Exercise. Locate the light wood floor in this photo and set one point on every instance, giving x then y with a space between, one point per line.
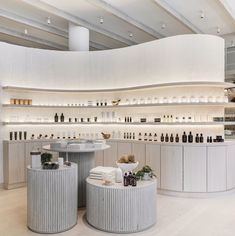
176 217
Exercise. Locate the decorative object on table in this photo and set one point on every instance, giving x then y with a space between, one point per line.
106 136
130 179
146 173
127 163
46 157
108 178
116 102
61 161
118 175
50 166
99 171
67 163
35 159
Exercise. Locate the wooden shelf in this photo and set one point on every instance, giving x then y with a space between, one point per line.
231 104
179 84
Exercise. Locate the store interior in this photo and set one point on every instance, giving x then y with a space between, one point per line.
117 117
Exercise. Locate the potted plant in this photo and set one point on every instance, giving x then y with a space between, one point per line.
46 157
146 173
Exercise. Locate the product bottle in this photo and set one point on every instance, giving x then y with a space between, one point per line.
150 137
62 117
134 180
125 180
15 135
56 118
168 119
124 135
20 135
162 138
210 139
127 135
25 135
32 136
133 136
171 118
190 137
171 138
130 137
130 178
11 135
155 137
164 119
201 138
140 137
184 138
130 119
52 136
177 139
118 175
197 139
167 138
145 137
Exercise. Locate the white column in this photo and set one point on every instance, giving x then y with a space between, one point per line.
78 38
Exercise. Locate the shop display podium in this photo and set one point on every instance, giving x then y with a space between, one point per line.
52 199
120 209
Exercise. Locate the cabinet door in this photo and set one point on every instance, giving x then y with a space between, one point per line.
110 154
99 158
16 163
230 166
216 168
124 148
195 160
171 167
153 159
138 149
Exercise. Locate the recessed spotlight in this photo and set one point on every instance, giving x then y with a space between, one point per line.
25 31
48 20
218 30
202 15
130 34
101 20
163 26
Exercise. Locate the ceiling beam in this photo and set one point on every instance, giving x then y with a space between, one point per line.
32 23
78 21
228 8
98 46
116 12
164 5
32 38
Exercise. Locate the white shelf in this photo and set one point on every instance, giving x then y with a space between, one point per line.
118 123
231 104
180 84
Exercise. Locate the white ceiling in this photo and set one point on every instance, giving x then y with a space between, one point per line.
146 20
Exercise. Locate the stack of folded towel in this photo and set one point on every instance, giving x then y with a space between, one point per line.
99 171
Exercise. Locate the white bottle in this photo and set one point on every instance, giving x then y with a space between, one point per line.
118 175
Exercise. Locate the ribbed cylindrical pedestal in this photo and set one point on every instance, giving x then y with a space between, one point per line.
85 162
52 199
120 209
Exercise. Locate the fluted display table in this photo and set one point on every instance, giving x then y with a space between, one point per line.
52 199
120 209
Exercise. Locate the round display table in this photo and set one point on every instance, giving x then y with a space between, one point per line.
120 209
84 156
52 199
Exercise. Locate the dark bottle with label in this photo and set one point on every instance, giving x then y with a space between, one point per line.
130 177
62 117
201 138
125 180
25 135
134 180
167 138
130 119
197 139
171 138
177 139
52 136
20 135
124 135
40 136
190 137
11 135
140 137
145 137
155 137
32 136
150 137
162 138
210 139
15 135
127 135
56 118
133 136
184 138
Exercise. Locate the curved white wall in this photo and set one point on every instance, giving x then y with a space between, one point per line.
174 59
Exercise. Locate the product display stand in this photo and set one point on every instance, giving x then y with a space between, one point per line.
52 199
120 209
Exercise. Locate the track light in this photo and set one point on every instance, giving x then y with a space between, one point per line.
48 20
218 30
163 26
130 34
202 15
25 31
101 20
